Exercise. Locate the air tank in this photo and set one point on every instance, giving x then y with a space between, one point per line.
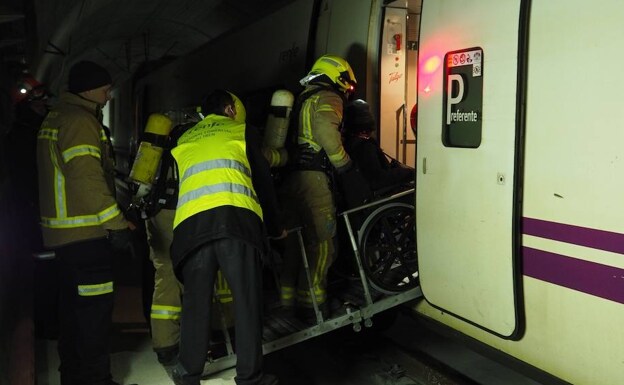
278 119
150 151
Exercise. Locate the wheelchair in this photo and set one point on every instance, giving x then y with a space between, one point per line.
382 235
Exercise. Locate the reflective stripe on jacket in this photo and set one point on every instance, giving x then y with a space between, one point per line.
214 169
76 174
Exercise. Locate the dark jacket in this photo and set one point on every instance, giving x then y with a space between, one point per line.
374 165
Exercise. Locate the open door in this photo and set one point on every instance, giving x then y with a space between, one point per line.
467 171
397 71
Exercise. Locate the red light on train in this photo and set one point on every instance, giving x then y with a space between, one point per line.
431 65
428 68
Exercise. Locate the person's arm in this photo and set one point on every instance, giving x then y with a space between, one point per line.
80 149
263 182
368 157
325 128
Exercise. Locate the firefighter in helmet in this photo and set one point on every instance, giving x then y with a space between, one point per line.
306 191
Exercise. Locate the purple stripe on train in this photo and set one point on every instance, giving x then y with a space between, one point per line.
584 276
582 236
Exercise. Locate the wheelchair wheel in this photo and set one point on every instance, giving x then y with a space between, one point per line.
388 248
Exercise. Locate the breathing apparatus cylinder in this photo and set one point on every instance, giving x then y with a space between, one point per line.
276 127
150 151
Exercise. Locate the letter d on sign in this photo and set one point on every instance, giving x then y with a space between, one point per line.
449 92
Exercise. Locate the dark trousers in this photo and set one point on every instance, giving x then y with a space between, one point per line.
85 312
240 264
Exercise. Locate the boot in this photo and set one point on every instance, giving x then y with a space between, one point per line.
269 379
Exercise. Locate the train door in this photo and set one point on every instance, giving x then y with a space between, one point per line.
397 72
467 168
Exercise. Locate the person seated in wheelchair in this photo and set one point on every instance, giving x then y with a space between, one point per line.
390 266
383 174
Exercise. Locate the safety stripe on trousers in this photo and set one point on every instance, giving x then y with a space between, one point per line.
317 277
97 289
166 312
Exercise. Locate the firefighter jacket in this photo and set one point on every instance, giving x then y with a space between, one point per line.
319 124
226 188
76 175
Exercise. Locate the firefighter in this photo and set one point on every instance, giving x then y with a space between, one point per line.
159 189
78 214
225 195
158 207
306 192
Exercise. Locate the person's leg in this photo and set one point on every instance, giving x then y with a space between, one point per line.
319 219
69 358
291 250
241 265
166 302
198 271
87 307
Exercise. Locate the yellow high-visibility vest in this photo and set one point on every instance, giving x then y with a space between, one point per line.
214 169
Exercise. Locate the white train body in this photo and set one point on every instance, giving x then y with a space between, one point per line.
520 214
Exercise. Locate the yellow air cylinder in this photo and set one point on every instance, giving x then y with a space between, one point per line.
277 122
150 151
277 128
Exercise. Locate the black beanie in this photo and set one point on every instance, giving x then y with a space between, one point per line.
87 75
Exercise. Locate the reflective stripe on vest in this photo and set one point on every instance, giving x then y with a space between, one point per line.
97 289
212 159
62 220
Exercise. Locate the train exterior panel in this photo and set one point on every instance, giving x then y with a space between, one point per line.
544 212
270 52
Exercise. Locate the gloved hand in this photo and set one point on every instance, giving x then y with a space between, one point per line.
302 154
348 168
121 240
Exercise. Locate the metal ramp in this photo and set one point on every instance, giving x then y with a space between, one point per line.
387 277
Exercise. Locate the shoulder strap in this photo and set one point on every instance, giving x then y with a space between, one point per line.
293 126
164 193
